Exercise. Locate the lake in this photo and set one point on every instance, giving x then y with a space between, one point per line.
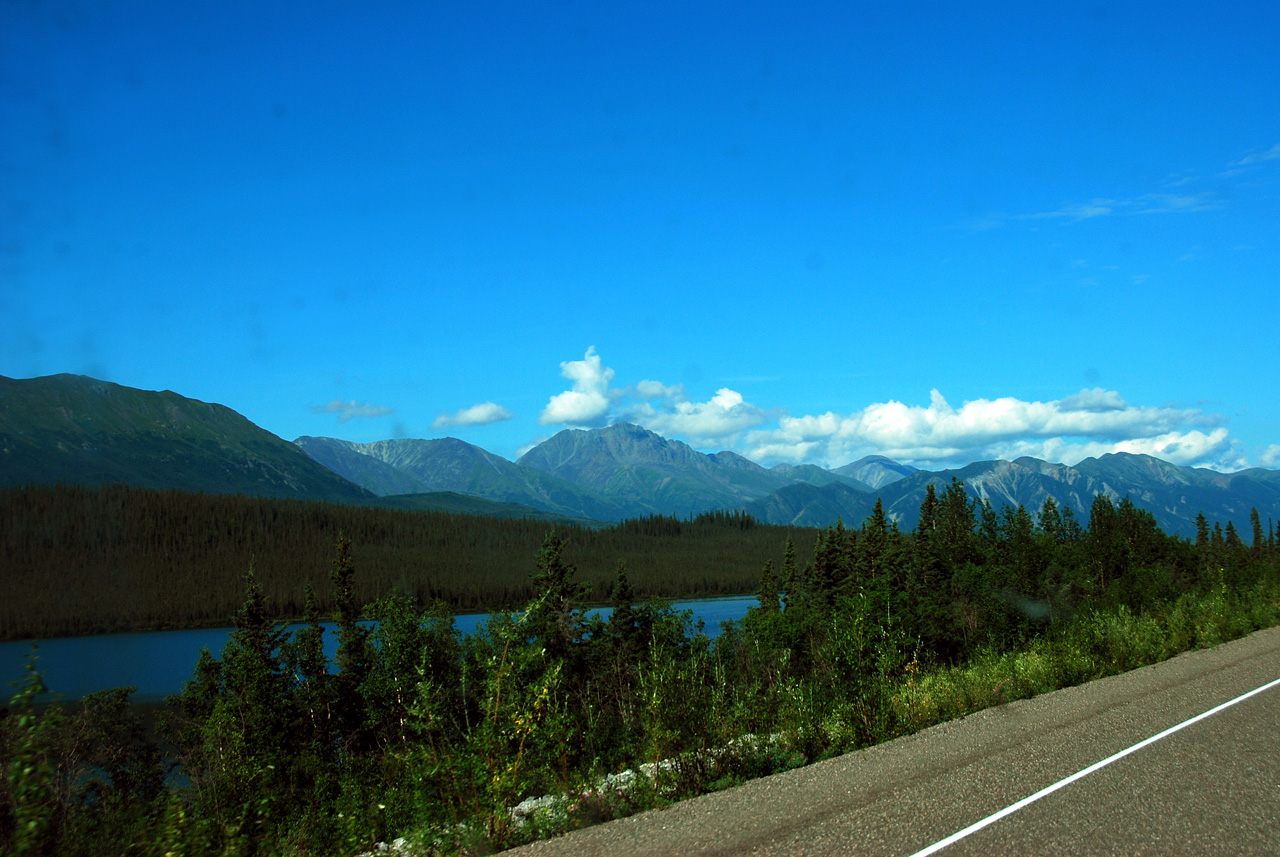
158 662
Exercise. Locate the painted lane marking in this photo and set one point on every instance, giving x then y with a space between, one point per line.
1048 790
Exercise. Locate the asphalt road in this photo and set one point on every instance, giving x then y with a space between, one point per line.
1211 788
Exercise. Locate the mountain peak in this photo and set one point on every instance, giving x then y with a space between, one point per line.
875 470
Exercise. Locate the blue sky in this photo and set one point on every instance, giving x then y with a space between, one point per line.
805 233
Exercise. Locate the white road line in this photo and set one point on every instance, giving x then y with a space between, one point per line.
1048 790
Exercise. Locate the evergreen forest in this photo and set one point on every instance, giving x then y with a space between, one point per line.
89 560
551 718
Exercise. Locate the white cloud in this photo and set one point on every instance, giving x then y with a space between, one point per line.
1269 155
704 423
1077 211
1095 400
1088 423
656 390
1214 449
350 409
477 415
1148 203
1271 457
659 407
1170 203
587 404
530 445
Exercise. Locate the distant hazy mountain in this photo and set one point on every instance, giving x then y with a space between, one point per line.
647 474
349 461
812 474
875 471
1173 494
449 464
627 471
79 430
1027 481
807 505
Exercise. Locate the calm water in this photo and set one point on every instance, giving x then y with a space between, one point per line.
158 662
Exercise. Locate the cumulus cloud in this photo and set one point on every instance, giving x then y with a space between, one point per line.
347 410
477 415
717 420
1271 457
656 390
1089 423
587 404
1086 424
659 407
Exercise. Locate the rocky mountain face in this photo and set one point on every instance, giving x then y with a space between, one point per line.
1173 494
812 474
449 464
807 505
875 470
630 471
645 472
78 430
351 462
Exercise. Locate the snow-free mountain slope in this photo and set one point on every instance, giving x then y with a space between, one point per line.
79 430
449 464
641 470
875 470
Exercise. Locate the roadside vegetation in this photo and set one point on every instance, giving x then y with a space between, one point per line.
550 718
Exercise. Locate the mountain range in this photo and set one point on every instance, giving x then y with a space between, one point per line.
78 429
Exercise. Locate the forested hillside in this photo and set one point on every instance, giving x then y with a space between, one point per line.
78 560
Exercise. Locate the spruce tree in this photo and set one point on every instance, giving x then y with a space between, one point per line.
790 581
1051 520
352 657
768 595
554 618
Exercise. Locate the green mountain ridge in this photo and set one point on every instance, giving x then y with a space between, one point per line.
78 430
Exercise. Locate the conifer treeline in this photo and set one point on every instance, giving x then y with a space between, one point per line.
417 731
81 560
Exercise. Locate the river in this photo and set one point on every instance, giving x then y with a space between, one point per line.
158 662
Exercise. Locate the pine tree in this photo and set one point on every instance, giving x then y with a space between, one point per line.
790 581
768 595
928 523
873 548
956 526
1051 520
352 657
622 619
822 574
554 618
